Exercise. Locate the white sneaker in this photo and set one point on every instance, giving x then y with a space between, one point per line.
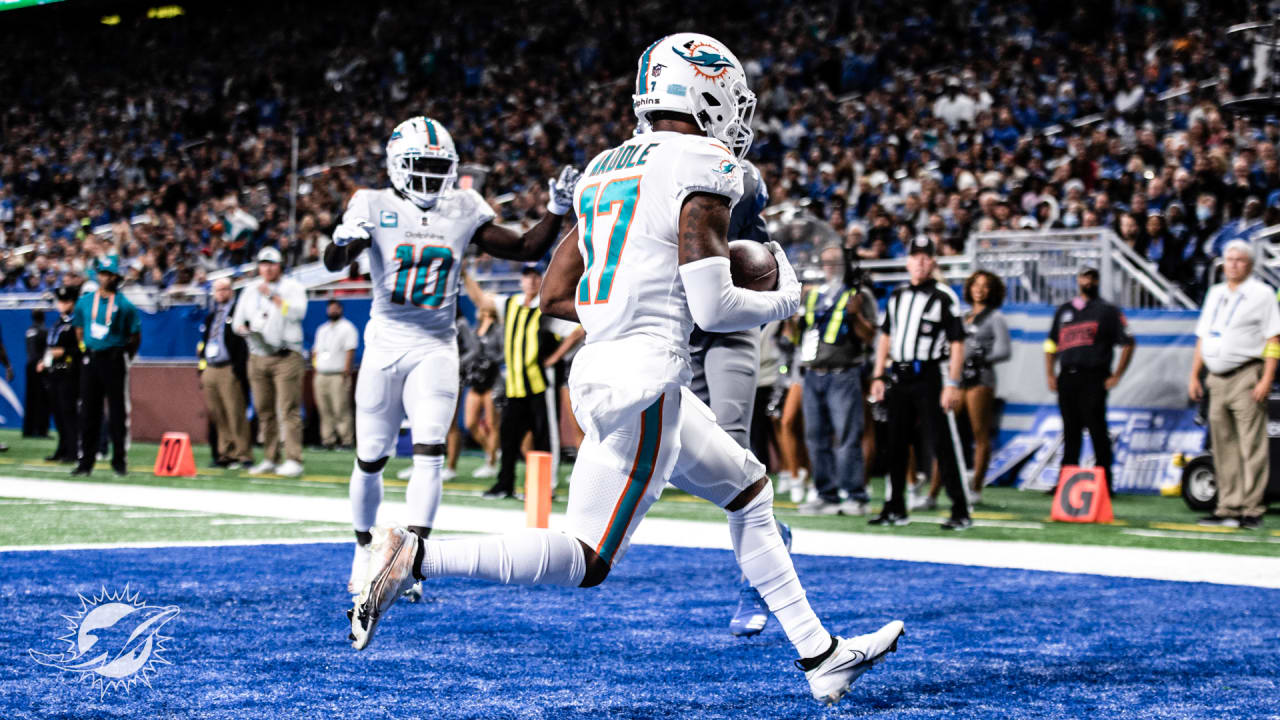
818 506
852 657
359 569
923 502
390 574
782 485
289 468
485 471
266 467
447 475
975 497
853 507
406 473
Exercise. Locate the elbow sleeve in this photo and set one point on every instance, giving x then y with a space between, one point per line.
718 306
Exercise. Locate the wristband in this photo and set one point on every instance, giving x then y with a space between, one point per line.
948 382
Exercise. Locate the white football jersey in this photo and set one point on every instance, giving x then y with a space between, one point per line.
414 262
628 203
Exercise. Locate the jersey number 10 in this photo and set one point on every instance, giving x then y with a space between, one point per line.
430 276
596 202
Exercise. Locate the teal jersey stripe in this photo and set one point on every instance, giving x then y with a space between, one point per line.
644 69
638 482
431 133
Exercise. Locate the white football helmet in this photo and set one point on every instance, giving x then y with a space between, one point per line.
696 75
421 160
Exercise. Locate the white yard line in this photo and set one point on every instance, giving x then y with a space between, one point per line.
1087 559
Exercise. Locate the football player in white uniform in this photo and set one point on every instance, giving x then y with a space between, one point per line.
648 258
416 232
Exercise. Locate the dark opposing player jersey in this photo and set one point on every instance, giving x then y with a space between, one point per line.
1084 336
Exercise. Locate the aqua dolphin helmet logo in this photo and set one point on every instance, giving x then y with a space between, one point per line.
114 640
706 59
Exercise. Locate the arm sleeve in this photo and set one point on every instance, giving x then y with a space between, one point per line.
1271 324
886 324
358 208
951 322
718 306
1123 336
481 212
1002 348
295 300
1051 342
133 324
351 341
706 166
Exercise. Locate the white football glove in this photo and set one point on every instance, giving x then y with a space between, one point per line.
787 281
347 233
561 190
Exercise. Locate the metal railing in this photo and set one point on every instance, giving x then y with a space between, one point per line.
1042 267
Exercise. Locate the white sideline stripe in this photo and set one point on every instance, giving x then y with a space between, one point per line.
1198 536
1050 557
154 515
26 502
252 521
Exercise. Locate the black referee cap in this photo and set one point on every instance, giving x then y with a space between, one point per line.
922 244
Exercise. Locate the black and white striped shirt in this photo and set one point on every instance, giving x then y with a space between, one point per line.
921 320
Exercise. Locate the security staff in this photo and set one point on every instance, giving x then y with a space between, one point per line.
1083 338
60 366
35 415
109 331
839 320
526 346
922 329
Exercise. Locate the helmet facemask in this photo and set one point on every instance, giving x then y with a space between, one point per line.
728 118
422 175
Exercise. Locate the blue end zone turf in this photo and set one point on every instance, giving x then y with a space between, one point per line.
262 632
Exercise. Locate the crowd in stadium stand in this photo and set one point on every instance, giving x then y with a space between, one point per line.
895 120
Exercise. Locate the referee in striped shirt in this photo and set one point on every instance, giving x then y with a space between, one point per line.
919 359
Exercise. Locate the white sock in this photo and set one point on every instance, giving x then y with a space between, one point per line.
423 494
528 557
767 565
366 496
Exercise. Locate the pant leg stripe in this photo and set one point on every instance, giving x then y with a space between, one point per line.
637 481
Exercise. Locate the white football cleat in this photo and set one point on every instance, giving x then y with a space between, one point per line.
486 470
359 569
851 658
414 593
447 475
390 574
406 473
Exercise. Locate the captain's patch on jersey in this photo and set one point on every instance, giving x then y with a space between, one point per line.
388 218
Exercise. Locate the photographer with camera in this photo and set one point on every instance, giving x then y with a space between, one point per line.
836 330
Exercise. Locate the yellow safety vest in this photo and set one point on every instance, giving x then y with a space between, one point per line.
832 333
524 371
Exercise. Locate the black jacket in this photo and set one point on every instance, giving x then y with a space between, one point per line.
236 346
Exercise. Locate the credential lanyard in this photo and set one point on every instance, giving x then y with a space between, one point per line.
111 306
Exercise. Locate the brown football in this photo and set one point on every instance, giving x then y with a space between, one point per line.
752 266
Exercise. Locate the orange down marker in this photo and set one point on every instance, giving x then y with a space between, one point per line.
537 489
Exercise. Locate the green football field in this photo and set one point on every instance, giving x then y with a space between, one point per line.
1005 513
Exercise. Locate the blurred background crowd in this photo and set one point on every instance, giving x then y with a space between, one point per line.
172 140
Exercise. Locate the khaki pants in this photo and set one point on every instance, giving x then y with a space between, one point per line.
276 381
333 402
1239 430
225 399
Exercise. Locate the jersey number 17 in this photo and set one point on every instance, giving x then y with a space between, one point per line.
597 202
